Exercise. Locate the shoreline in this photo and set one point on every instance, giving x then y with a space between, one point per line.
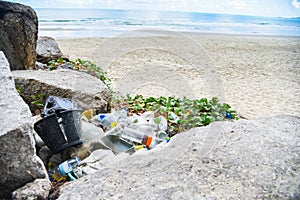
188 33
258 75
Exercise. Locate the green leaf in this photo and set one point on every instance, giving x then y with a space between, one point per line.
18 88
207 107
41 95
157 120
162 109
177 110
60 60
37 103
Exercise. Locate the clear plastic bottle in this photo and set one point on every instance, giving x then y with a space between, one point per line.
173 117
163 124
148 119
66 168
116 130
136 136
121 117
122 113
108 120
155 141
161 135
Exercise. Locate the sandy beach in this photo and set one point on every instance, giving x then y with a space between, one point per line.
257 75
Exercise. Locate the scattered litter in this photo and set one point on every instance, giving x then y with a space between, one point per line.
68 168
136 130
87 115
117 145
60 128
110 120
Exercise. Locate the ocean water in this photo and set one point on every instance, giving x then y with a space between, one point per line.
70 23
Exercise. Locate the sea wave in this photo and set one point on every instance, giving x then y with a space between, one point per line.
108 22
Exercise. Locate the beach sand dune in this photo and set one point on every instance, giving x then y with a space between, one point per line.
258 75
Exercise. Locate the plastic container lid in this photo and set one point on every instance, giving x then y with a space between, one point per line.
101 117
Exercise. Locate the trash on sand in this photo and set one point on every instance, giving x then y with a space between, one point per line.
60 126
87 115
136 130
123 133
67 168
173 117
110 120
117 144
90 132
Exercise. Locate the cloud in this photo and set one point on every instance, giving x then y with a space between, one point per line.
296 3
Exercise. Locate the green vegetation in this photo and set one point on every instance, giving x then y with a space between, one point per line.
182 114
38 100
35 101
92 69
18 88
53 64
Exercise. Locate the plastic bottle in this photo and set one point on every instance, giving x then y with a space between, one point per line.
148 130
148 119
163 124
121 117
66 168
155 141
135 121
161 135
116 130
122 113
173 117
136 136
108 120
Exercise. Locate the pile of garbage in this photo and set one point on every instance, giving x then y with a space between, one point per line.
145 129
60 128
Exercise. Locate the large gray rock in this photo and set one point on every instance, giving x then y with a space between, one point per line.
18 161
231 160
88 91
18 35
47 49
38 189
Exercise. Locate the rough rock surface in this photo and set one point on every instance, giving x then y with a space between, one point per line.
87 90
38 189
47 49
18 35
18 161
225 160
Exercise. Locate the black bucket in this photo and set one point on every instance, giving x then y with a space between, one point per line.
60 133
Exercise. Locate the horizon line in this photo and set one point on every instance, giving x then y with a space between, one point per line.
153 10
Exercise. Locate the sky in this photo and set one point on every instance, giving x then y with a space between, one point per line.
270 8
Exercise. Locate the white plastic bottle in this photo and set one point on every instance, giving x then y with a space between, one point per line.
108 120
